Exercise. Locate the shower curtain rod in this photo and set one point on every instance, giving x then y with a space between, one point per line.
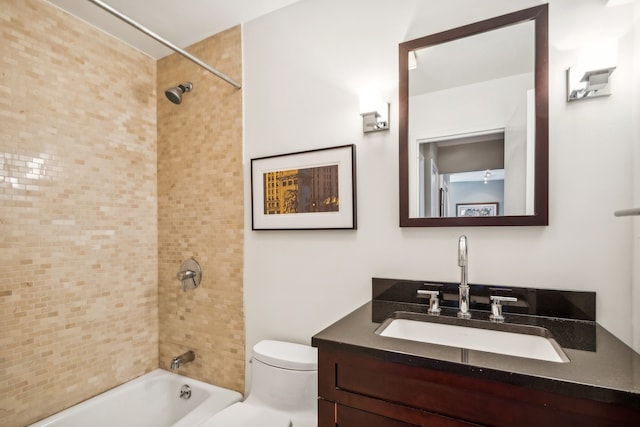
165 42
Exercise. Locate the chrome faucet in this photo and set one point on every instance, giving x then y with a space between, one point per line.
463 289
177 361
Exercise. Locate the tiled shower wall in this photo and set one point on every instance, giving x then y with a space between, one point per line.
78 212
200 212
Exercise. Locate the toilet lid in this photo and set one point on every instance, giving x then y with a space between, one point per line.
243 415
286 355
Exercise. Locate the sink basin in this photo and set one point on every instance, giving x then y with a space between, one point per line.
509 339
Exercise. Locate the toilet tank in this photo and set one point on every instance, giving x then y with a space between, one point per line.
284 377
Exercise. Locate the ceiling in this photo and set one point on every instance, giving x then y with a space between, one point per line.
182 23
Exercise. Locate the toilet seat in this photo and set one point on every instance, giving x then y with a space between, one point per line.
244 415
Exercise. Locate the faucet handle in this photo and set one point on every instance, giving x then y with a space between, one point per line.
496 307
190 274
186 275
434 305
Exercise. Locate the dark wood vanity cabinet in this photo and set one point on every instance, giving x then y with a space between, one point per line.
341 415
361 391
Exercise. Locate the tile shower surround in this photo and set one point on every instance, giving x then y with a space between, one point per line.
79 229
200 212
78 251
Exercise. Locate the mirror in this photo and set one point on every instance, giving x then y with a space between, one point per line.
474 124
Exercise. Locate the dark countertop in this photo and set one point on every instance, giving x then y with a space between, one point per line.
608 371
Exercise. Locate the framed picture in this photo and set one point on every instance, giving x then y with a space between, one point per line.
477 209
303 191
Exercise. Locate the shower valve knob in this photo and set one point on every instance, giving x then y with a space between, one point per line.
190 274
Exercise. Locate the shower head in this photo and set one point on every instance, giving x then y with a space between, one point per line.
174 94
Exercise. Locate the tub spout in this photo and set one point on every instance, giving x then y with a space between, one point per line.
178 361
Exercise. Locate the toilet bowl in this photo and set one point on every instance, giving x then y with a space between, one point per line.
283 392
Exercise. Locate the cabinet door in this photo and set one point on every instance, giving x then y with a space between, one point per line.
350 417
326 413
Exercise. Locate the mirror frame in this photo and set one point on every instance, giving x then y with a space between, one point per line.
538 14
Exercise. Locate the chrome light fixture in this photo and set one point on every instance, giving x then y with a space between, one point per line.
375 115
588 84
413 60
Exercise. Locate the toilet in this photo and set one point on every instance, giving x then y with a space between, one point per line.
284 389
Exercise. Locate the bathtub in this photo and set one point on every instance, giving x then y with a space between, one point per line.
152 400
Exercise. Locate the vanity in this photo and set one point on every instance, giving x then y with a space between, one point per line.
369 379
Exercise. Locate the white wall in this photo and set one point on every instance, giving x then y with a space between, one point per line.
304 67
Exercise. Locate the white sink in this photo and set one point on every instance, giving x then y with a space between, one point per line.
474 338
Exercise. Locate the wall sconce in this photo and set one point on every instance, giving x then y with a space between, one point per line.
596 61
375 115
413 60
588 84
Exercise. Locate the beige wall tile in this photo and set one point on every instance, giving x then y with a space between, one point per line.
78 212
200 212
87 197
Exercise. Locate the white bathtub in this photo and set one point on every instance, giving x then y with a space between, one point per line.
152 400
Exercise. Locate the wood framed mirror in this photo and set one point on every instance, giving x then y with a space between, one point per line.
474 128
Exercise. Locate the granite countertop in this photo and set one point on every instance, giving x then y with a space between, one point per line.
601 366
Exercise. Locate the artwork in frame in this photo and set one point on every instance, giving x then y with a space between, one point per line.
477 209
306 190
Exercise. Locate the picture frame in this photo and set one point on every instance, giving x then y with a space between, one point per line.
306 190
477 209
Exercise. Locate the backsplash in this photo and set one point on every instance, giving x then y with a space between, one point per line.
78 222
531 301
